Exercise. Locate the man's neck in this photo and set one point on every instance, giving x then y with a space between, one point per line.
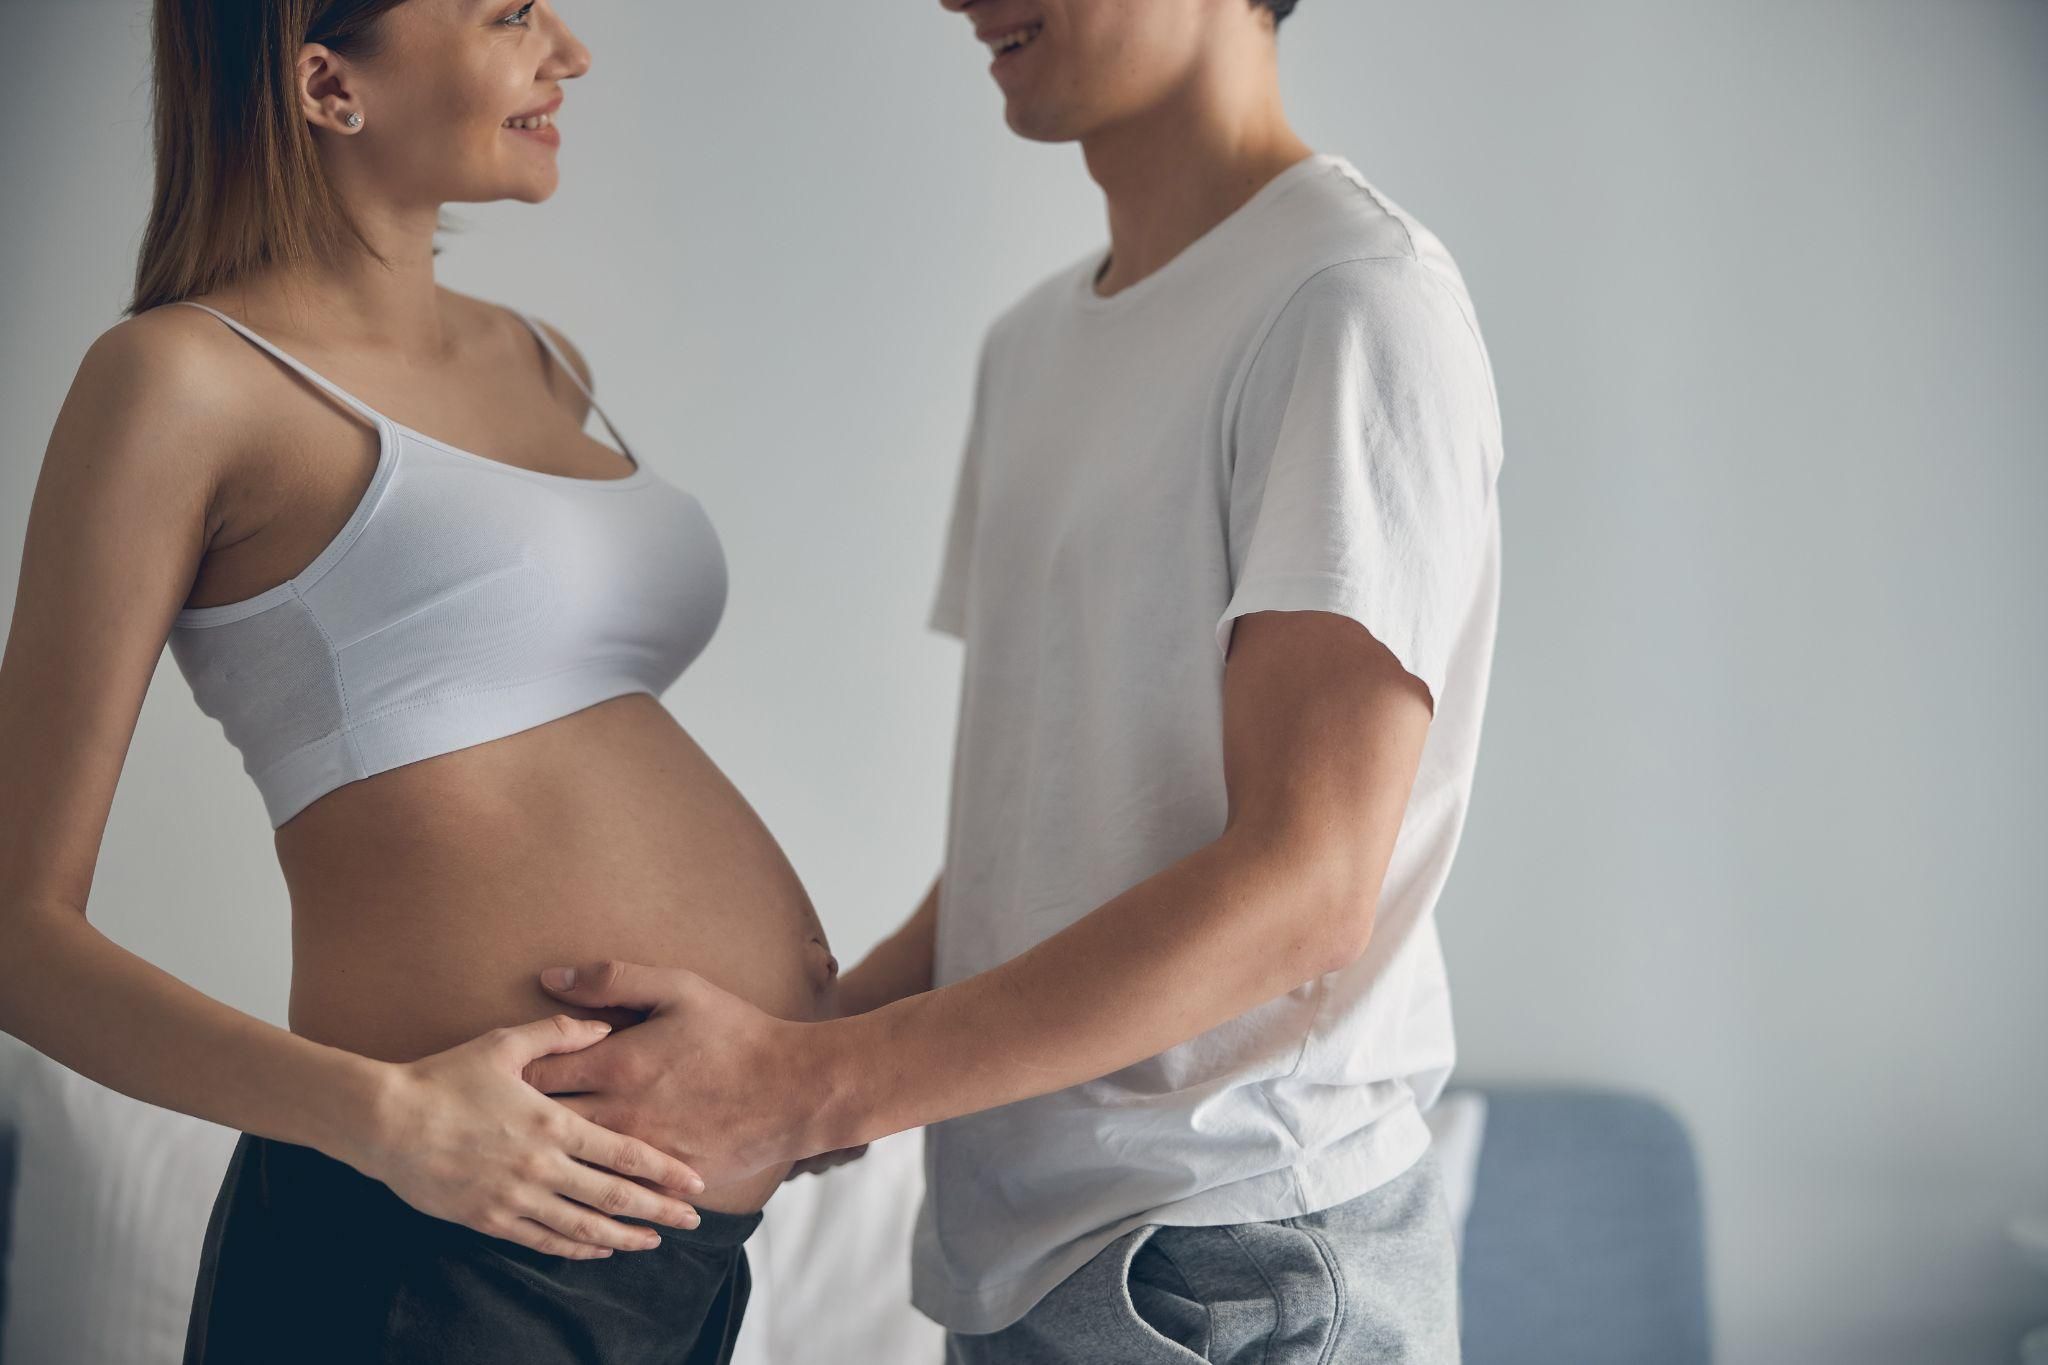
1180 168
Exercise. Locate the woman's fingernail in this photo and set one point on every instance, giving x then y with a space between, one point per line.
561 978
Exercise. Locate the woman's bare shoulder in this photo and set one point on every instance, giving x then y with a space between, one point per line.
151 386
510 315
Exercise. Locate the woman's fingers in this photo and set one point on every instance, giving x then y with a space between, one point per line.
477 1122
609 1194
581 1224
630 1156
540 1237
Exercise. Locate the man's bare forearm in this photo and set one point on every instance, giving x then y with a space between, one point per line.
1227 928
899 966
81 999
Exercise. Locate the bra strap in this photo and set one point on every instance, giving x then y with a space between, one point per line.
376 418
577 379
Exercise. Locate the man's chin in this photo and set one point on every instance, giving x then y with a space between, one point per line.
1035 123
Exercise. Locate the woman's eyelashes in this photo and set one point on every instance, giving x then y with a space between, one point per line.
517 19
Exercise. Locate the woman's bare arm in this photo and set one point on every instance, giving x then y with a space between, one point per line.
123 509
120 517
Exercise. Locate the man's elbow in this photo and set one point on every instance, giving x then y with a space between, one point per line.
1325 898
1345 903
1347 940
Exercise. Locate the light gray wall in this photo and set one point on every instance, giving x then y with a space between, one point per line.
1757 819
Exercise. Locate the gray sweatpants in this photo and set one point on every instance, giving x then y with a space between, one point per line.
1373 1281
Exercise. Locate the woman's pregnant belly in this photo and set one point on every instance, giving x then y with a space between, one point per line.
426 899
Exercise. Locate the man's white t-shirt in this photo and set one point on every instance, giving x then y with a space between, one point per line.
1295 413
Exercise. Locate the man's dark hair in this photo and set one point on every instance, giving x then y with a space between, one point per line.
1281 8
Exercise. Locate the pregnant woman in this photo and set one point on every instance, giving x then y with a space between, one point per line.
434 617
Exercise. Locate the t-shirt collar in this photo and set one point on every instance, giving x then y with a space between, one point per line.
1083 290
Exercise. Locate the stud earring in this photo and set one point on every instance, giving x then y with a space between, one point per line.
354 119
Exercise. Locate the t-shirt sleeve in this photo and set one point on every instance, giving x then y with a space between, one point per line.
1365 448
949 598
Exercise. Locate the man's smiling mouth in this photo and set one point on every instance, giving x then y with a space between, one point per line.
1011 40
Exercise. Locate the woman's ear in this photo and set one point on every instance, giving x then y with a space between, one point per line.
327 94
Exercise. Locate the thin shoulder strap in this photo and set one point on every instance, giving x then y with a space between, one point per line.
376 418
577 379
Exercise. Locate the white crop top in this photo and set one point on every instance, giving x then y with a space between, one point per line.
464 599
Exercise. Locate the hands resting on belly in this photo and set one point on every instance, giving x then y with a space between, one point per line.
543 1132
459 1134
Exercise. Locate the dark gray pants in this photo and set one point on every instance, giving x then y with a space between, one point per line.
1373 1281
309 1262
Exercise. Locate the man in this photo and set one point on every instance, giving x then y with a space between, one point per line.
1224 552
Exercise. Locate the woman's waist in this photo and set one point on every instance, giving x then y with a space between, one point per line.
426 900
398 992
398 980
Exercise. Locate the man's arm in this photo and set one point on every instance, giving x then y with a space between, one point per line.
899 966
1323 732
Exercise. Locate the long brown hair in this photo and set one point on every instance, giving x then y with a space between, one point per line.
239 184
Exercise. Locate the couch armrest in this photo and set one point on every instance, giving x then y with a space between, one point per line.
1585 1245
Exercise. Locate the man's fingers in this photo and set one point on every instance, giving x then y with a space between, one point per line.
612 982
558 1074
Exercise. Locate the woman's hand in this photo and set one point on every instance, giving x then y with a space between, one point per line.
462 1136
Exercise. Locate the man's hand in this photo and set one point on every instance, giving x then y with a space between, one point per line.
706 1076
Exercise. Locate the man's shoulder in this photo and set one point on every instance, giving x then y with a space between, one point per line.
1340 233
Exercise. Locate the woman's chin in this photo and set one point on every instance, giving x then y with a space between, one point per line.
530 181
533 192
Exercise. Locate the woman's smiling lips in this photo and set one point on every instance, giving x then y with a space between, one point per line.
537 123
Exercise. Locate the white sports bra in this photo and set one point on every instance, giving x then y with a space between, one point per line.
464 599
